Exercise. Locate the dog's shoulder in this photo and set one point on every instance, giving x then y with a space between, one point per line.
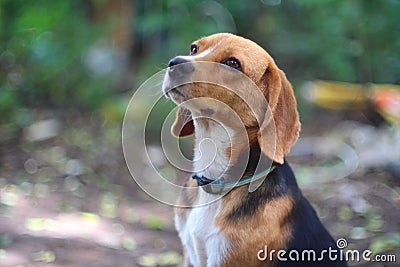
276 215
252 220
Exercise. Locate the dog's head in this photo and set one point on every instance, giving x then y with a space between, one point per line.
240 56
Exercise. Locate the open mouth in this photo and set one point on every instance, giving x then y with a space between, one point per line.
175 92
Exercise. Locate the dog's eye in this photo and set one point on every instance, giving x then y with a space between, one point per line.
233 63
194 49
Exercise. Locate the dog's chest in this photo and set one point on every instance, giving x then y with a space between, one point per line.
204 243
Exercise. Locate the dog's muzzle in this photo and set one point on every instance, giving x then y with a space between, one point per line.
179 67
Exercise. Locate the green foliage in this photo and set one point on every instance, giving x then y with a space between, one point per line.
154 221
352 41
338 40
355 41
387 242
43 45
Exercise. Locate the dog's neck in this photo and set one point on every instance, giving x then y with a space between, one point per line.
211 148
216 148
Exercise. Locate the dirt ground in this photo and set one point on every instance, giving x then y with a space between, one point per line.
68 200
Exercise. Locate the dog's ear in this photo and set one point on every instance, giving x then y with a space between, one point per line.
281 132
183 124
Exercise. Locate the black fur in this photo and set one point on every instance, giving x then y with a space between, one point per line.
307 230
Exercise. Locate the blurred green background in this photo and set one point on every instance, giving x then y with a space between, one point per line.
81 53
68 69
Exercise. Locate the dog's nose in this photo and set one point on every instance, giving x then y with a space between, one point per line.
185 66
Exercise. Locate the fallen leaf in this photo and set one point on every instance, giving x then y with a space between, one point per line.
128 243
389 241
358 233
46 256
166 258
154 222
9 195
344 213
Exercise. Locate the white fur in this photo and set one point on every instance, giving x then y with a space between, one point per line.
210 159
202 54
203 241
166 86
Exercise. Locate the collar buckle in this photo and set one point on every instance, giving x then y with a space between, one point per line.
216 187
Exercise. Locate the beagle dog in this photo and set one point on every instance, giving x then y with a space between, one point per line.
228 223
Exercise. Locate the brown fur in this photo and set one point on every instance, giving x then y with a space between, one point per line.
284 109
270 224
270 227
259 66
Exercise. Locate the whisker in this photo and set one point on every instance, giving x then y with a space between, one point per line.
156 93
